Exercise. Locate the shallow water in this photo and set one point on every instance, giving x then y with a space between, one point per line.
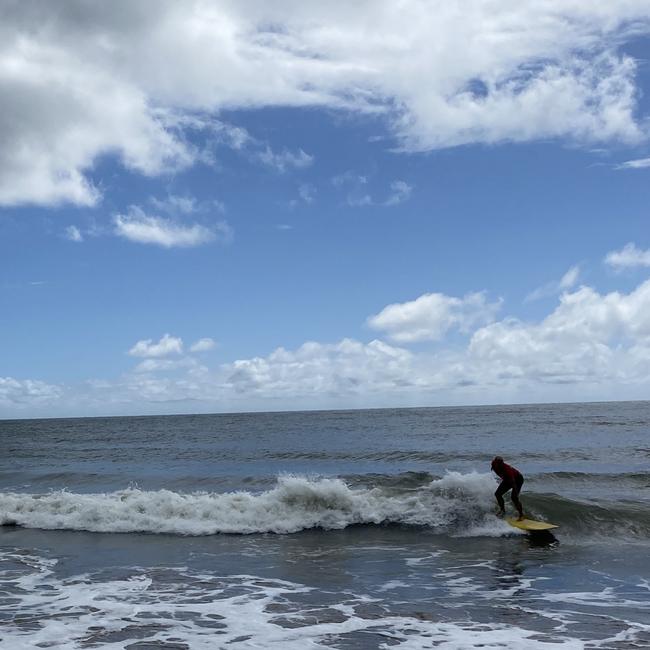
358 529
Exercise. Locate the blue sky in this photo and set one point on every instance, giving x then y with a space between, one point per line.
225 207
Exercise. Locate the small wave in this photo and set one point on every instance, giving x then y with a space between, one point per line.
454 503
588 477
617 519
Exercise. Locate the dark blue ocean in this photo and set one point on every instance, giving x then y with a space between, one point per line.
336 529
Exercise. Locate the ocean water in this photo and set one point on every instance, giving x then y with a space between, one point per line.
339 529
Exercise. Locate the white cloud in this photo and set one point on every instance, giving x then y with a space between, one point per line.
589 337
181 205
82 82
202 345
137 226
157 365
232 136
317 368
400 192
628 257
567 281
62 109
359 200
639 163
307 192
349 177
27 392
590 346
359 196
432 315
166 346
175 204
252 148
73 234
284 160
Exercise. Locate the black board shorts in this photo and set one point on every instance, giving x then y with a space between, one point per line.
504 486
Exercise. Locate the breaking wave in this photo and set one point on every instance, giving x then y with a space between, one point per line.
456 504
453 503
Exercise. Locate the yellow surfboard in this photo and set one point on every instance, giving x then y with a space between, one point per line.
529 524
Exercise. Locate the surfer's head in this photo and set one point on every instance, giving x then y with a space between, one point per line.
497 461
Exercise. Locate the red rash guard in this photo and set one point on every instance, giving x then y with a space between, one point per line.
507 473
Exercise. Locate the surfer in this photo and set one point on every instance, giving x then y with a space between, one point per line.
511 479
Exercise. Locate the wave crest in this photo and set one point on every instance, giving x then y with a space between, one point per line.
453 503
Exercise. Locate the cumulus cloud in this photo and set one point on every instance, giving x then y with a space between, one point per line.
18 392
588 337
589 342
139 227
590 346
166 346
432 315
567 281
158 365
628 257
85 81
202 345
330 369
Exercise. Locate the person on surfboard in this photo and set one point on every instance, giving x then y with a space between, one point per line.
511 479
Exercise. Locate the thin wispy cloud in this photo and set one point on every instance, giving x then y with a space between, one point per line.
73 234
184 205
639 163
567 281
139 227
307 192
306 195
359 193
285 160
349 178
400 191
174 204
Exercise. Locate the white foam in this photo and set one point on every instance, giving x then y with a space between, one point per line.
457 503
608 597
393 584
204 611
